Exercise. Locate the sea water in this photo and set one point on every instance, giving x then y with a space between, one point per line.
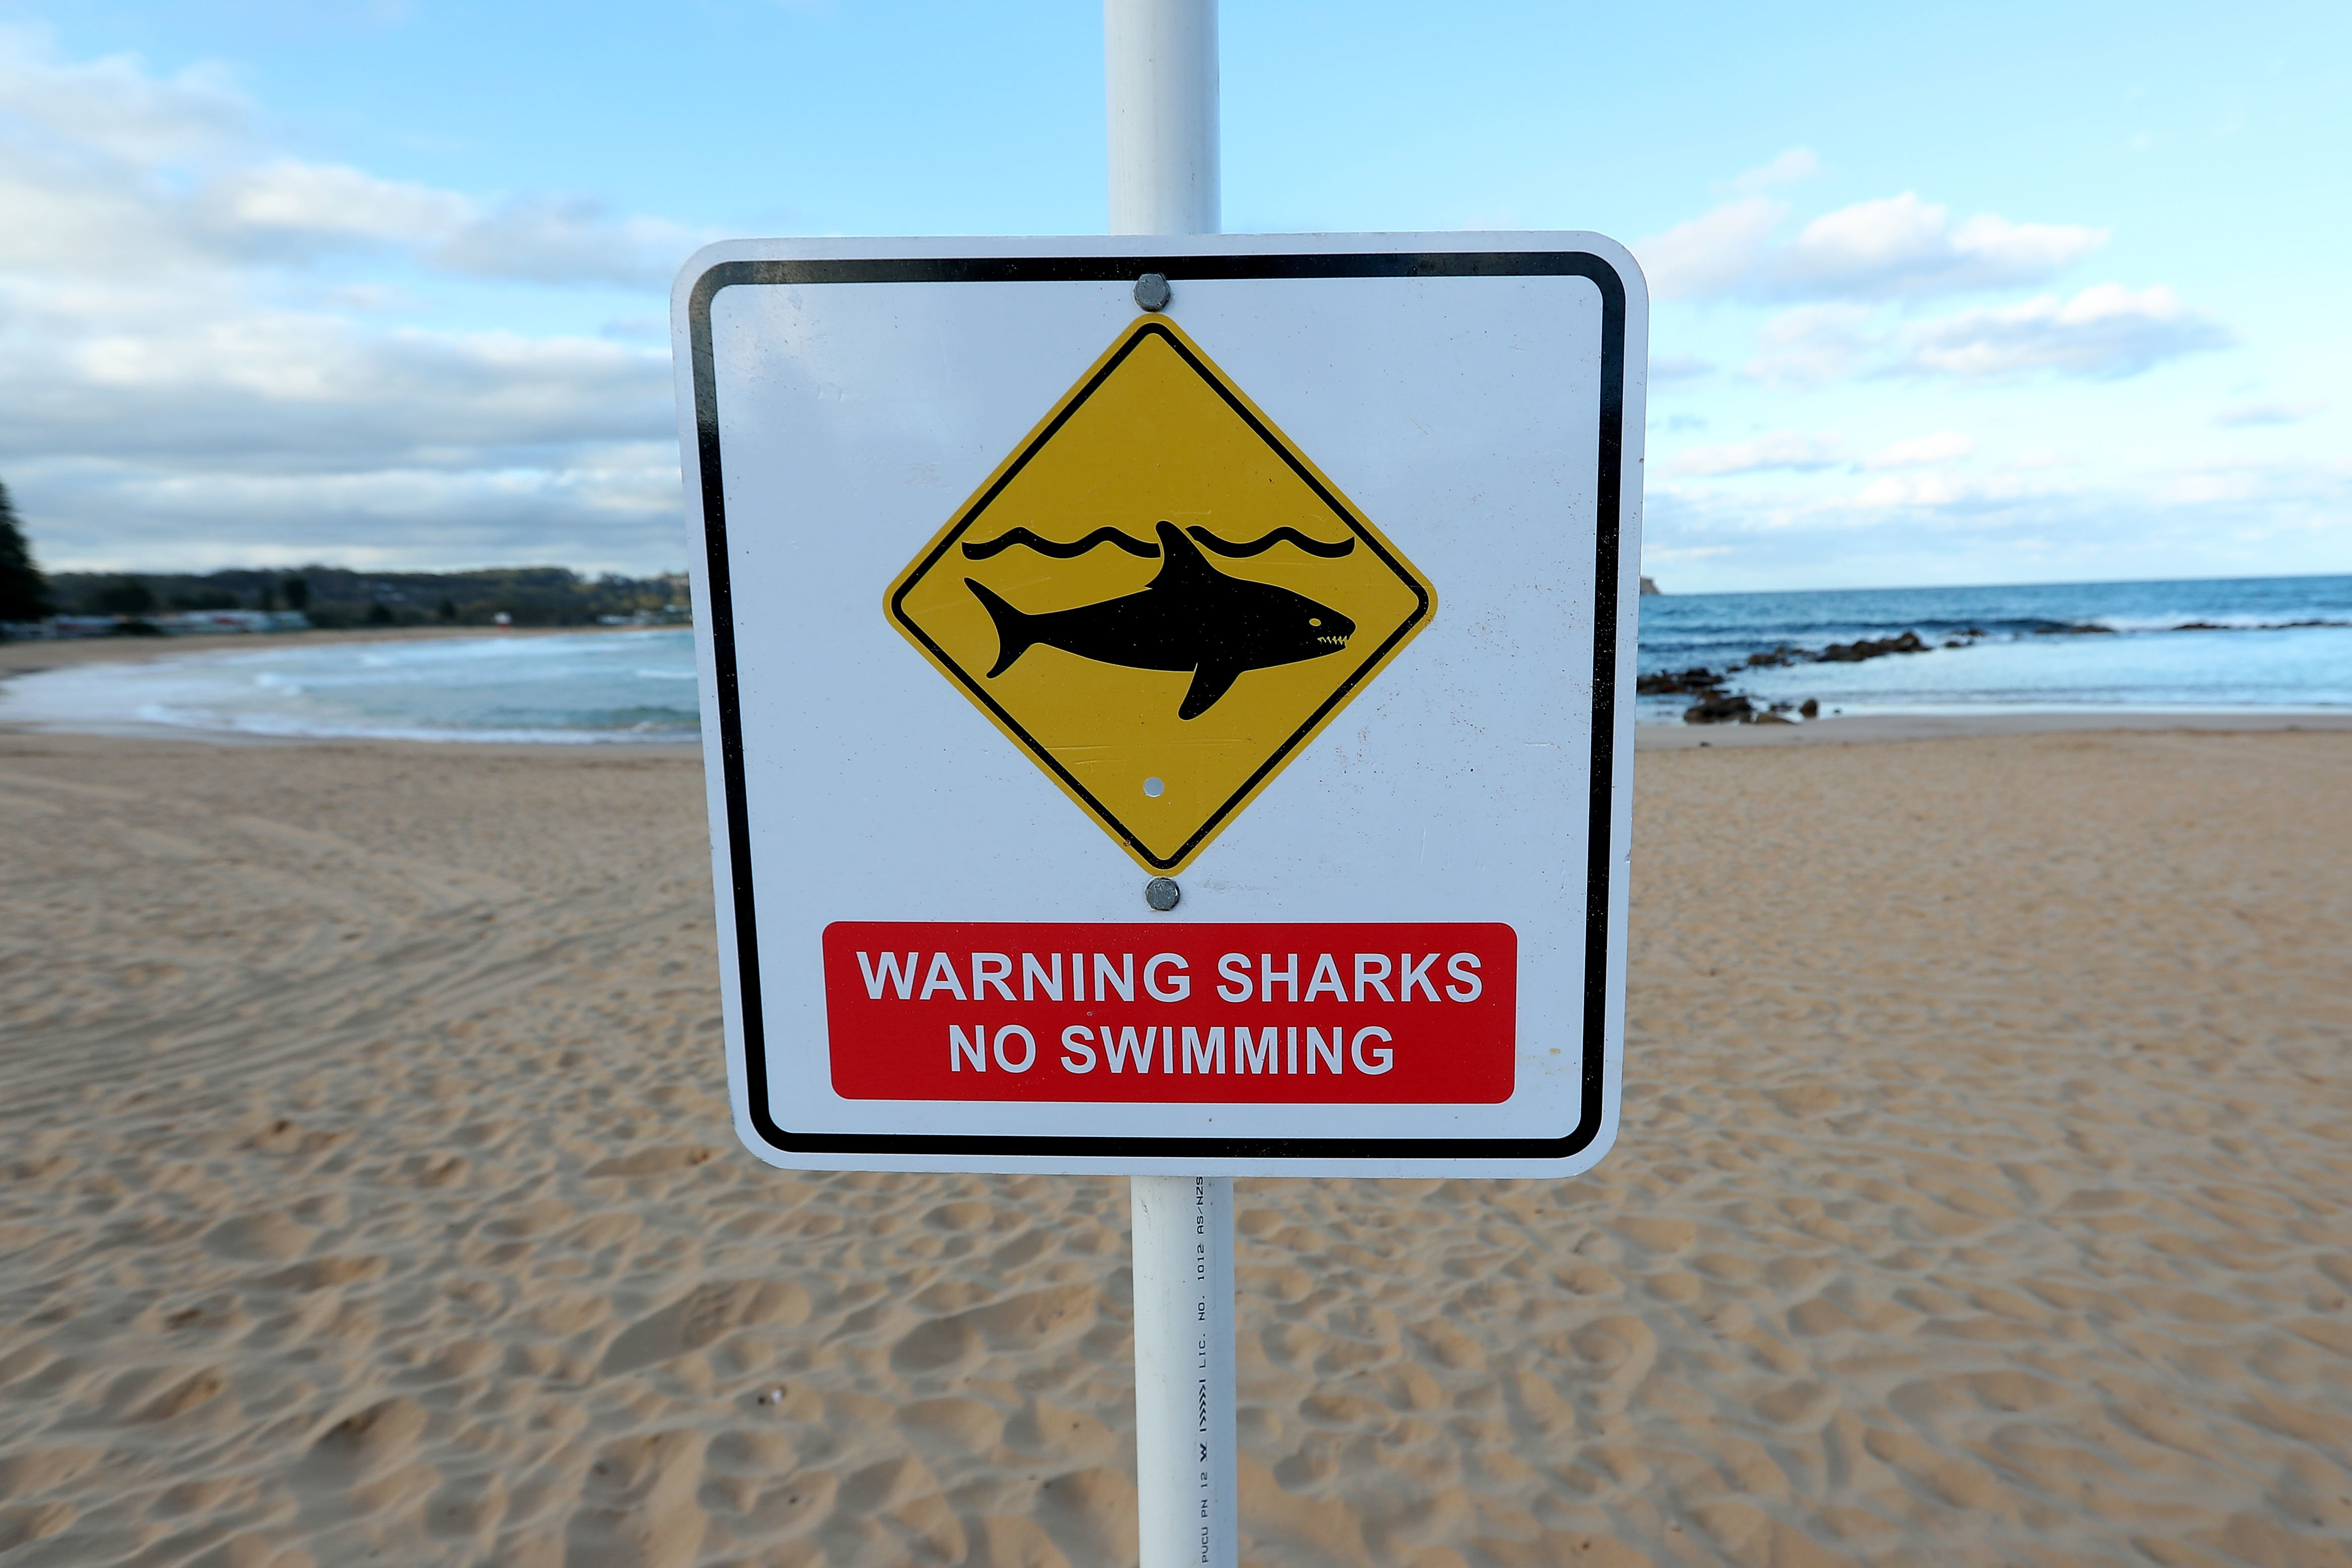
572 688
2271 643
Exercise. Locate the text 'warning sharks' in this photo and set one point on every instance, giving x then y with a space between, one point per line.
1158 598
1333 1013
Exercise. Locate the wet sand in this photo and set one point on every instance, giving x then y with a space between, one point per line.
1984 1196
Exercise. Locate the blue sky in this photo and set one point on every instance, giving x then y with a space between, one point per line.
1944 294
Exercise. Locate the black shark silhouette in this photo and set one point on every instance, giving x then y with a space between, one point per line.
1191 616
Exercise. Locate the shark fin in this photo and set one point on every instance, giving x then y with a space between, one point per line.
1014 633
1210 682
1182 559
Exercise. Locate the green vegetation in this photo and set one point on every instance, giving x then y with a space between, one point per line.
121 596
24 593
334 597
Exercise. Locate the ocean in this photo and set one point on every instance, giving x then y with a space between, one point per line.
570 689
2270 643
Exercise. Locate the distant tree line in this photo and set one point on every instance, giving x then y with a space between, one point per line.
335 596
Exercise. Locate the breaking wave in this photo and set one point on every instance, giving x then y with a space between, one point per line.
577 689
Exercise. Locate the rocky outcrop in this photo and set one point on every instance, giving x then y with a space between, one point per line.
1649 587
1720 711
1867 648
1716 707
1693 682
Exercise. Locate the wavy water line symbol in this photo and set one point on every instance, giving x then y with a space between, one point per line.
1230 549
1004 542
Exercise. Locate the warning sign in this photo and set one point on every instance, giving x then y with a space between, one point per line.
1305 567
1329 1015
1159 596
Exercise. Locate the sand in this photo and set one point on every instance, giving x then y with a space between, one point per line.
1984 1196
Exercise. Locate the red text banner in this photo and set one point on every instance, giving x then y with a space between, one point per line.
1328 1014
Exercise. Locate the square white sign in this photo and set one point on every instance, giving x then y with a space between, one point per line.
1312 590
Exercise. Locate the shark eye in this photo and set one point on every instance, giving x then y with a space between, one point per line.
1314 620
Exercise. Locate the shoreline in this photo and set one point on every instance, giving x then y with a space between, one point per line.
24 658
39 657
1944 725
19 659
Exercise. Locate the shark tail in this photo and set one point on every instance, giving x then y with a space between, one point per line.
1016 633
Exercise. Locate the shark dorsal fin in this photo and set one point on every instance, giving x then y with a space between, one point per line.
1182 561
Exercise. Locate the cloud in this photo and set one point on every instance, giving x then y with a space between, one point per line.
2007 525
1922 451
568 240
1902 247
1679 367
538 240
1894 247
191 372
2249 415
113 108
331 200
1794 451
1917 490
1813 343
2106 332
1788 449
1712 255
299 392
611 507
115 174
1795 164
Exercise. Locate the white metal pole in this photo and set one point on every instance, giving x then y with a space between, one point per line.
1161 71
1188 1513
1159 60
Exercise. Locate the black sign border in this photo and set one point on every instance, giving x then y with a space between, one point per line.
1608 492
1153 327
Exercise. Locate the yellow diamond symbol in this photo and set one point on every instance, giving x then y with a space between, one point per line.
1158 598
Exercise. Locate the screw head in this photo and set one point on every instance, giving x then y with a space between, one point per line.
1151 291
1161 893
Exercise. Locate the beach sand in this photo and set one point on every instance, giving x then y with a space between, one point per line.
1984 1196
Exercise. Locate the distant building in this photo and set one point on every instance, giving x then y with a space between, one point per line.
177 623
191 623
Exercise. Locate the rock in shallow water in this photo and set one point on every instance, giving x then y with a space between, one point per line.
1720 711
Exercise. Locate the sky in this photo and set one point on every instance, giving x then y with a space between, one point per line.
1943 294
